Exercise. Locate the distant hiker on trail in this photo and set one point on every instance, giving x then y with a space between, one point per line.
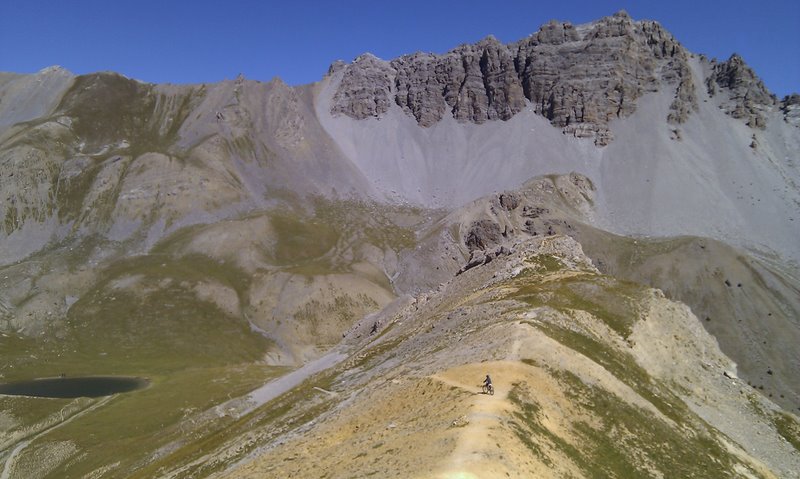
374 328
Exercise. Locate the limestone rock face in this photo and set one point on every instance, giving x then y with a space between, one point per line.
474 82
420 86
579 78
747 97
790 106
365 88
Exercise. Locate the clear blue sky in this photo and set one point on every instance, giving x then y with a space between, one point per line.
207 41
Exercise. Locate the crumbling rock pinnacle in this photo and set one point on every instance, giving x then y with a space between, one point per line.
746 97
482 235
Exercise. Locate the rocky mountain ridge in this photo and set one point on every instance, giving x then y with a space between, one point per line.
413 405
111 150
578 77
583 79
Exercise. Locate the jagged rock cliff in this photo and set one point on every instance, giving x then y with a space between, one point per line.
746 97
579 78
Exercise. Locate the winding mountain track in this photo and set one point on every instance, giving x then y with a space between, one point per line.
9 465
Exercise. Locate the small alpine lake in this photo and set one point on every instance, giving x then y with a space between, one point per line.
74 387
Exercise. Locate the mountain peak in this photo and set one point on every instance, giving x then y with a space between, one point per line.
622 14
54 69
745 95
368 57
489 40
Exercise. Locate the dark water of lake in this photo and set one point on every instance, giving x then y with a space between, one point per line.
90 386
